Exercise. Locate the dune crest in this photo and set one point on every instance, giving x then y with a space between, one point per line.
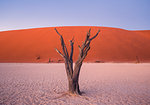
38 45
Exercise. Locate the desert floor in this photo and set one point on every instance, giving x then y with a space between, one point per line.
102 84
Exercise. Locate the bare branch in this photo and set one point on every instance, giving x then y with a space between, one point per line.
85 54
63 45
60 53
65 55
71 55
88 40
58 32
89 32
85 42
71 52
87 37
95 35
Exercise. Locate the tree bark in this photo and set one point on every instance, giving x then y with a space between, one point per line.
74 87
73 75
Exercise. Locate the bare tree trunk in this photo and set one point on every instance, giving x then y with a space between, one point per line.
74 87
73 75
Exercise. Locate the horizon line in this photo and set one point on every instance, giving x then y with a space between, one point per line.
70 26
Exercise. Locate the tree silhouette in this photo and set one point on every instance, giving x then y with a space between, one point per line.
73 74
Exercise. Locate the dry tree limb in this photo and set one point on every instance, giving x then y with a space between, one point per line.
73 74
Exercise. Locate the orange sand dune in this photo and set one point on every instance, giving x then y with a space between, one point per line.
38 45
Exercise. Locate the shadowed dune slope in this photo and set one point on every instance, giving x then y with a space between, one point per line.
38 45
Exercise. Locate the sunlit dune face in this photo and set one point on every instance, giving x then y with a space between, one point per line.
38 45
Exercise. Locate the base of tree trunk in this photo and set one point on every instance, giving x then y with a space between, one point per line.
74 87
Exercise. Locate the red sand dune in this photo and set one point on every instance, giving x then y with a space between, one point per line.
112 45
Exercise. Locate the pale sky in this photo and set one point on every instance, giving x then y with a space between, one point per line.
24 14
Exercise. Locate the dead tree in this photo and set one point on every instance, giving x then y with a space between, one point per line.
73 74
